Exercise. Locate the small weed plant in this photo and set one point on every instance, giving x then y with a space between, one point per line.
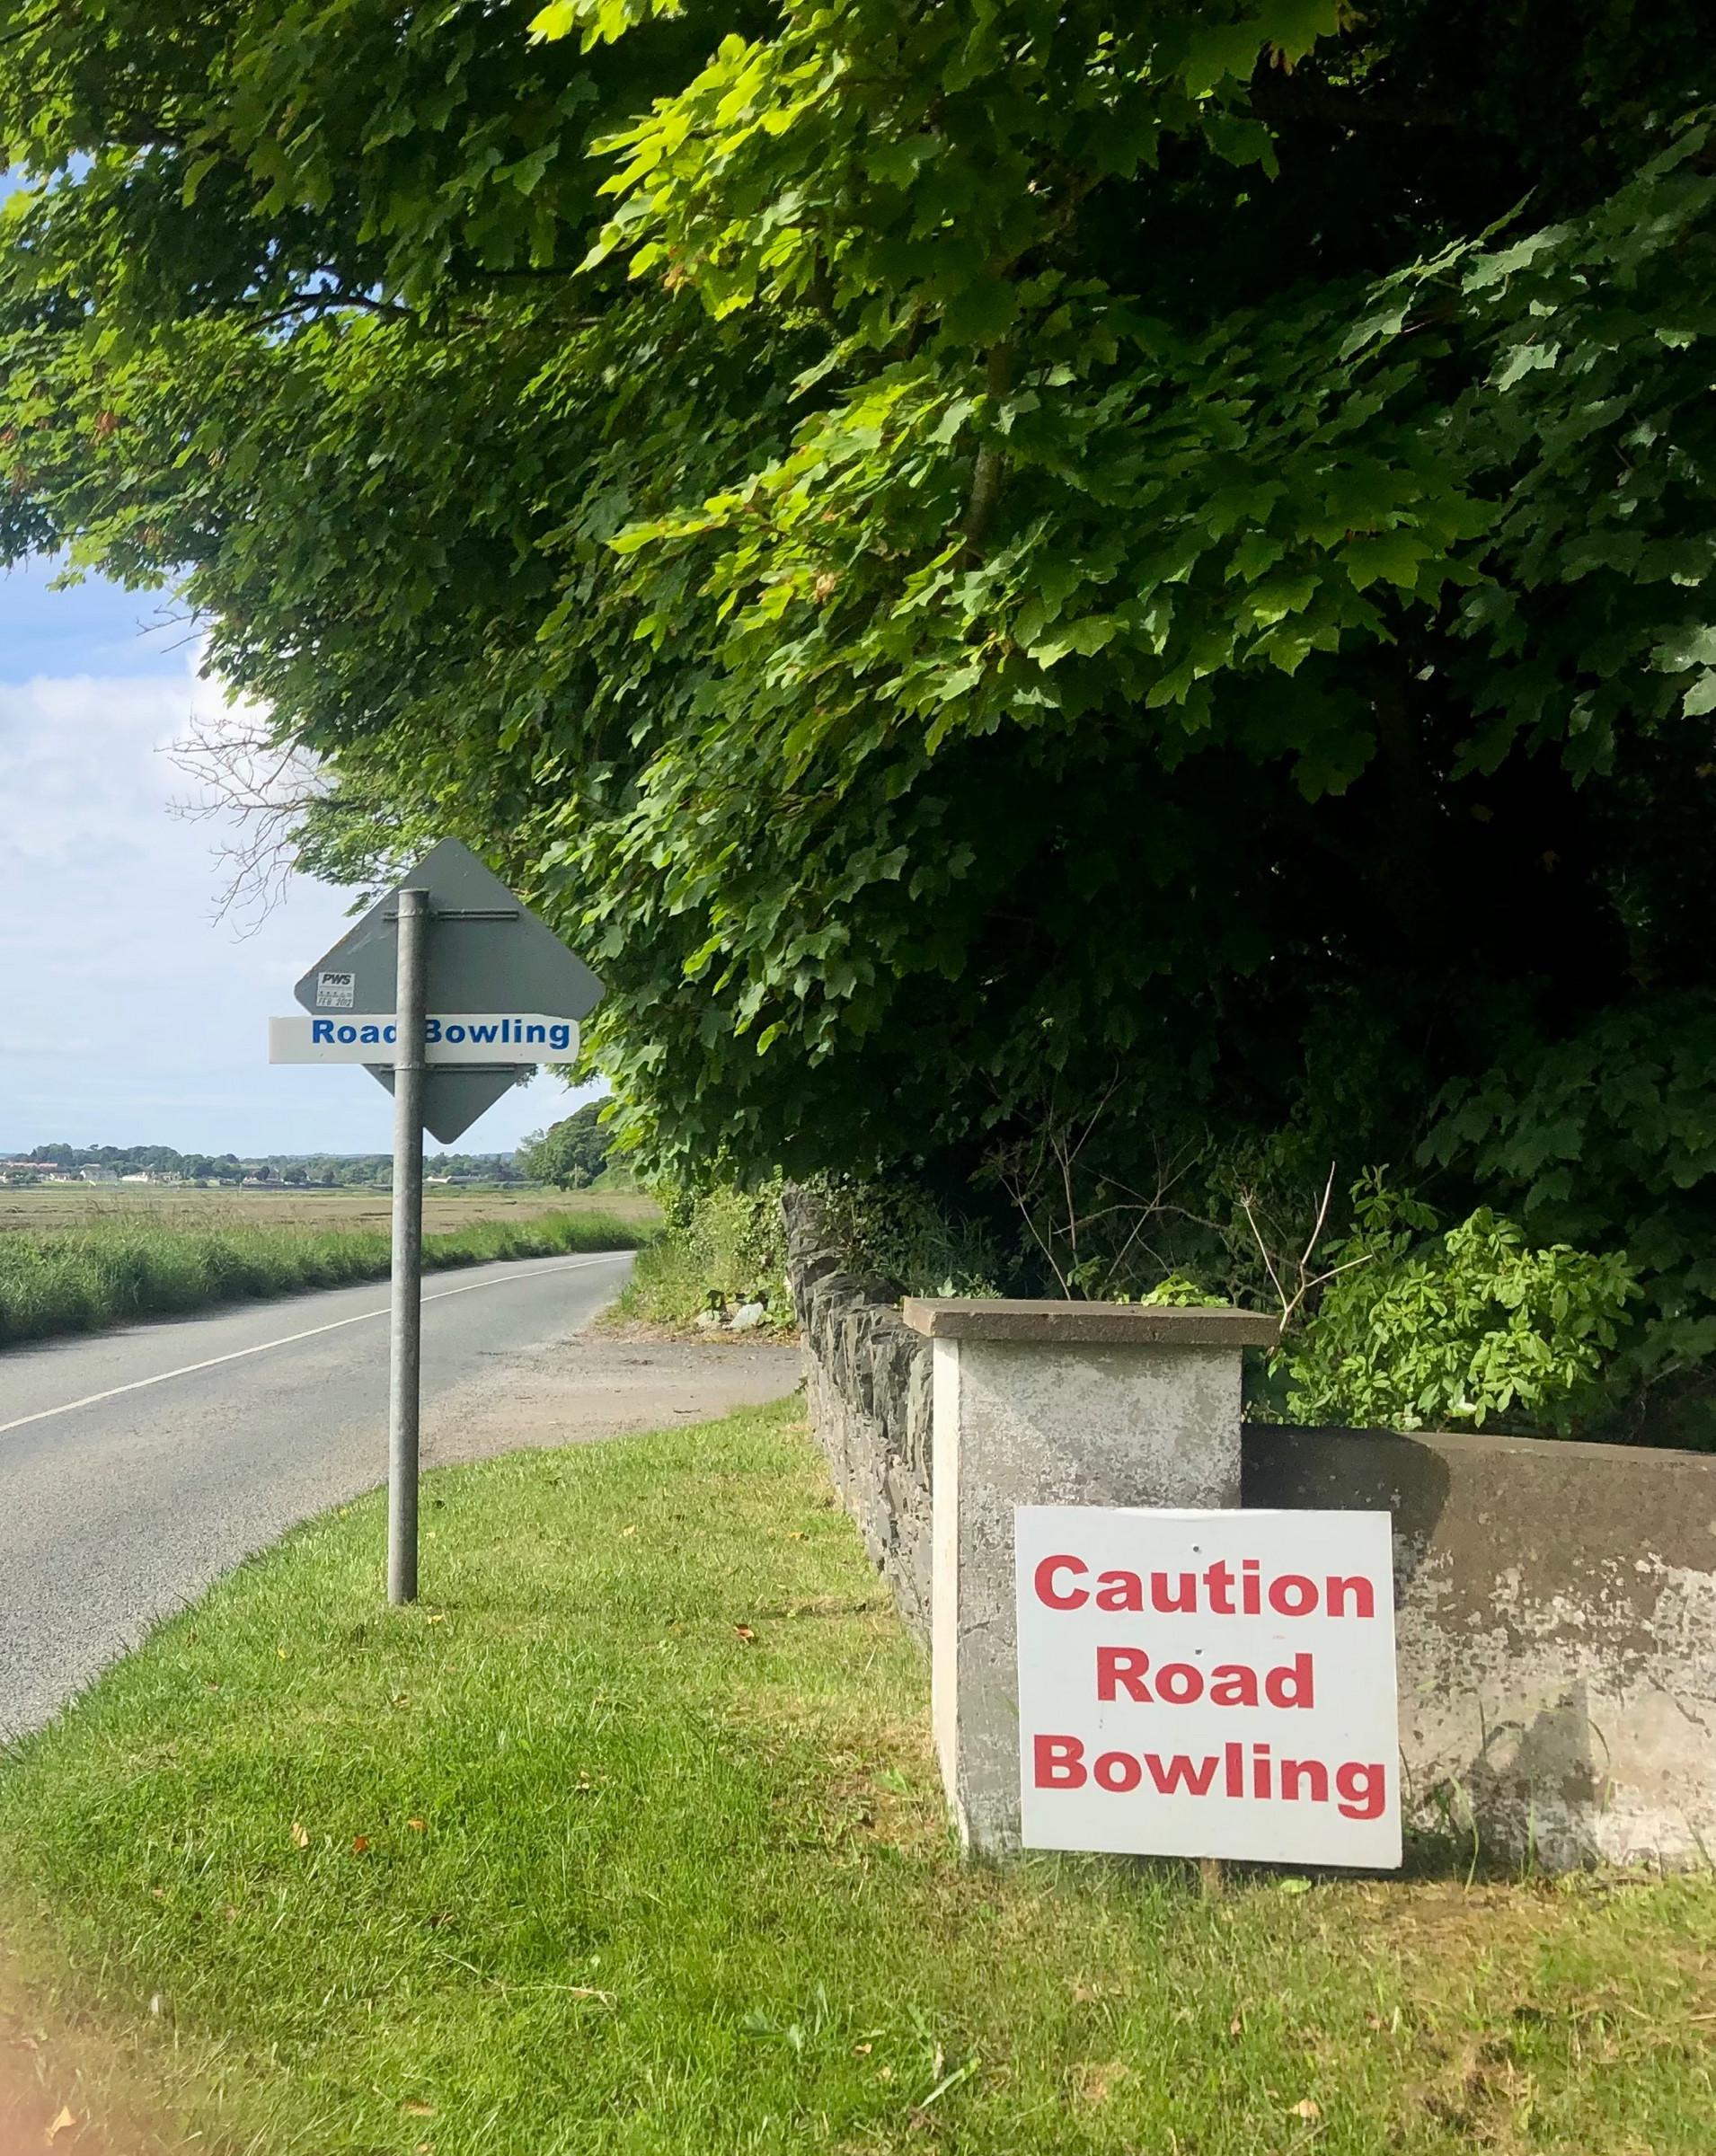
717 1249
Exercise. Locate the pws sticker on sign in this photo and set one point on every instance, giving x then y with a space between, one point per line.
1208 1683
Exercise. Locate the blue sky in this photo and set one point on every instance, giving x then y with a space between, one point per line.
131 1015
128 1013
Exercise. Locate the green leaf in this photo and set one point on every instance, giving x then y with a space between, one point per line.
1700 697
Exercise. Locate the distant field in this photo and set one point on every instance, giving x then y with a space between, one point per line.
73 1260
50 1207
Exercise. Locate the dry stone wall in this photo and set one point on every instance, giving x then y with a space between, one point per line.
867 1383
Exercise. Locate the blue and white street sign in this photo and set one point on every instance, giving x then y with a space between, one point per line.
371 1037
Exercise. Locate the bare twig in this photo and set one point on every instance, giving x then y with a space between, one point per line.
1076 1214
1017 1192
246 772
1308 1281
1263 1250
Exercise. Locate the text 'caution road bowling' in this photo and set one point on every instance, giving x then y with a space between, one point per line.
1208 1683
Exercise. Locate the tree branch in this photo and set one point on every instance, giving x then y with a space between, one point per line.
329 303
1309 1282
988 478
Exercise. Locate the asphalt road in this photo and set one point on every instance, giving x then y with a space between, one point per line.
137 1466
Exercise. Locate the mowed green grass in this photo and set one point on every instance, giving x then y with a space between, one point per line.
627 1839
131 1265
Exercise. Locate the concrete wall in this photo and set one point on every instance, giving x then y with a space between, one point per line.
1556 1630
1556 1603
1136 1408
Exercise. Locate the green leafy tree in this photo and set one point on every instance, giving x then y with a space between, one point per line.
978 557
570 1154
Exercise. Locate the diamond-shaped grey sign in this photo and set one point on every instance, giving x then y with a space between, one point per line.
453 1098
486 952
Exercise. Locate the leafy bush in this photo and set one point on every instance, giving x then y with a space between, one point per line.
717 1248
895 1231
1417 1329
570 1154
1607 1139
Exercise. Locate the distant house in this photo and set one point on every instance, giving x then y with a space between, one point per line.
98 1175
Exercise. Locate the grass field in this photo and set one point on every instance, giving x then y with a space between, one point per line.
56 1205
626 1841
129 1261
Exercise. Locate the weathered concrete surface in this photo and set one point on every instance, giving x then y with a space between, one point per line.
1024 1422
1062 1324
1556 1631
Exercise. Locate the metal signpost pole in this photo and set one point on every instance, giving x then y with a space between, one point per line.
508 996
409 1015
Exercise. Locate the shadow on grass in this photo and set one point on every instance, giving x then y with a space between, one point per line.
1430 1860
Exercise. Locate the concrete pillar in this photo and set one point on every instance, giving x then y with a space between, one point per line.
1053 1403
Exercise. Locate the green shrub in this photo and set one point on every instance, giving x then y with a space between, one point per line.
895 1231
1417 1329
723 1246
717 1248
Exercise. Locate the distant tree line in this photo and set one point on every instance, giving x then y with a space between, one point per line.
570 1154
321 1170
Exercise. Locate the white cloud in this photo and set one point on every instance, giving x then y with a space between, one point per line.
128 1014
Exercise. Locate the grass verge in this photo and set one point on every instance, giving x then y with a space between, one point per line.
626 1840
77 1280
716 1251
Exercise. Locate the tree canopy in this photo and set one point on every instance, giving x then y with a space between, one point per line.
1111 598
570 1154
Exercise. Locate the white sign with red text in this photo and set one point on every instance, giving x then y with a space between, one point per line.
1208 1683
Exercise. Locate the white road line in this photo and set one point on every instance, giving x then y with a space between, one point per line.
138 1385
